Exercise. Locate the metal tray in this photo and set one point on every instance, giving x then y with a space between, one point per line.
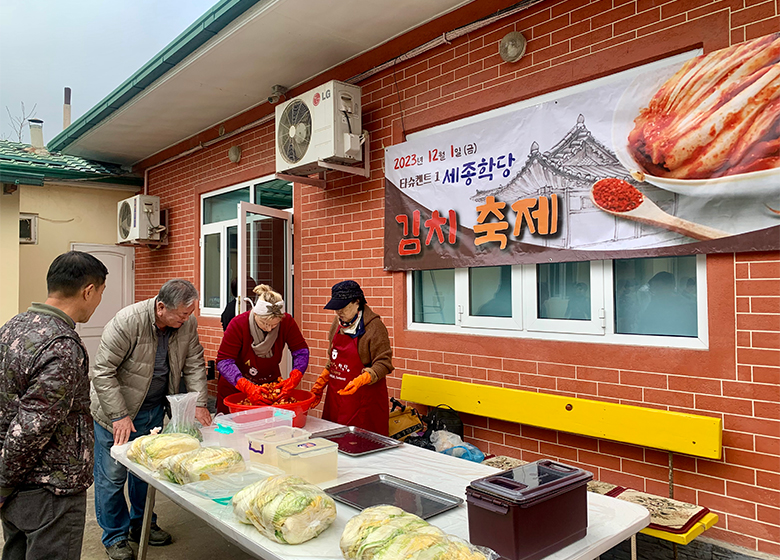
357 441
386 489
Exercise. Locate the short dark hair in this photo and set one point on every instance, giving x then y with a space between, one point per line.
73 271
176 292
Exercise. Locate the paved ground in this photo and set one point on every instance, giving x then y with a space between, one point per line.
193 539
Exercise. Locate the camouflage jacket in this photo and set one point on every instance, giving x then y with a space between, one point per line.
46 431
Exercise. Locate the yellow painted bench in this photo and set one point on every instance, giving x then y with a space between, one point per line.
674 432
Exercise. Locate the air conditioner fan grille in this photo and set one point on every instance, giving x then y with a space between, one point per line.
294 132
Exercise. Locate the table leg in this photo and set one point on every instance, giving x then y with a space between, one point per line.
146 526
633 547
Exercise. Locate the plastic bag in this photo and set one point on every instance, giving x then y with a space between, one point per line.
286 509
200 464
151 450
183 415
451 444
390 533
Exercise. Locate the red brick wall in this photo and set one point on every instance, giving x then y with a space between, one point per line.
339 235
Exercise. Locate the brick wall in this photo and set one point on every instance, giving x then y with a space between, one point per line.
339 235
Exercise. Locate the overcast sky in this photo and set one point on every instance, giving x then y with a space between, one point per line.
91 46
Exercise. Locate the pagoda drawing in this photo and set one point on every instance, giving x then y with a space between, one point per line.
569 170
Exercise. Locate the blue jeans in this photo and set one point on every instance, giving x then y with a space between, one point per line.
110 476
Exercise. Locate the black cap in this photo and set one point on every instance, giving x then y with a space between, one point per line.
343 293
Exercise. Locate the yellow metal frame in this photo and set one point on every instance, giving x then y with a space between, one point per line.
690 434
684 538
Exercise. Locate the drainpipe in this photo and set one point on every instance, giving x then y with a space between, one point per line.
66 110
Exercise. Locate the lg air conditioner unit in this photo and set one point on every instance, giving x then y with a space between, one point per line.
324 124
138 219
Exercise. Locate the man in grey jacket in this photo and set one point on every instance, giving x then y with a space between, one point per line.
145 352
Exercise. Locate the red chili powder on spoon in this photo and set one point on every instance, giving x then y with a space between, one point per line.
616 195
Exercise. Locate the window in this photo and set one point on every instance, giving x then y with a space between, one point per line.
653 301
219 235
28 229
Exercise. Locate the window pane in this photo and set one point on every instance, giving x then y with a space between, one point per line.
490 291
434 296
211 262
223 206
656 296
563 291
274 194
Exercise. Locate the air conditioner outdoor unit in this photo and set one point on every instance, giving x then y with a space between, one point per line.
324 124
138 219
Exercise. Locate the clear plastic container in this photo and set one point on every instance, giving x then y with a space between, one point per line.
314 460
219 435
263 444
248 421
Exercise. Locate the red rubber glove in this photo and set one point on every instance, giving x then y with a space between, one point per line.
256 393
319 386
290 383
362 379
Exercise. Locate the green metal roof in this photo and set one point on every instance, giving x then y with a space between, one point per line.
208 25
20 165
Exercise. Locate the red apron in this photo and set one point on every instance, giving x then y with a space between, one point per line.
367 407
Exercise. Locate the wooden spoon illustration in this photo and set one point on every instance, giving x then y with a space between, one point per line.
619 198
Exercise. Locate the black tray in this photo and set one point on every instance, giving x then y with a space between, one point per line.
386 489
357 441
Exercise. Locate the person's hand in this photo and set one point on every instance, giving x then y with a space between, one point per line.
319 387
290 383
362 379
122 430
257 394
203 415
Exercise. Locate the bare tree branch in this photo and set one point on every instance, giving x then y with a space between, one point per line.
19 123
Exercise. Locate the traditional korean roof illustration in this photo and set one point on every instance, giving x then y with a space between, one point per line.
22 164
579 158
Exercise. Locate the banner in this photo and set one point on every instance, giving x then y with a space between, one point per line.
675 158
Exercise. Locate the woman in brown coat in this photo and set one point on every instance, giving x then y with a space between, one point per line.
359 358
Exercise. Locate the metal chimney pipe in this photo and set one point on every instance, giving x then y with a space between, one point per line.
66 110
36 133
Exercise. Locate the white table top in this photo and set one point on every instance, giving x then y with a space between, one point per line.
610 521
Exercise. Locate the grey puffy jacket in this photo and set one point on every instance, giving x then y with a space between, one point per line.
124 363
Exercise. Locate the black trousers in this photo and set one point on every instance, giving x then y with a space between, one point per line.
40 525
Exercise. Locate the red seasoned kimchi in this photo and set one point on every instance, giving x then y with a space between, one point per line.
718 115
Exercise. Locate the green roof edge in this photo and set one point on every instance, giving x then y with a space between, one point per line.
197 34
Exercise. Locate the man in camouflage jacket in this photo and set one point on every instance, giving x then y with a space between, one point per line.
46 436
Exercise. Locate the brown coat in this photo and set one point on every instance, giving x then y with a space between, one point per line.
373 346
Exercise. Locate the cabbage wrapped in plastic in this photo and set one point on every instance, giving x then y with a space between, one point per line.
201 464
390 533
151 450
286 509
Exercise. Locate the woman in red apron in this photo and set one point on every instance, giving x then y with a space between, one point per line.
359 358
253 346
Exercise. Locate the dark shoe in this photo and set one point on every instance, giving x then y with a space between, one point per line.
157 537
120 550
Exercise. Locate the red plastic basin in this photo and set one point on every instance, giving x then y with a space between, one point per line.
300 408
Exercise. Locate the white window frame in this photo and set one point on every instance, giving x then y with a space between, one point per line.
221 228
600 328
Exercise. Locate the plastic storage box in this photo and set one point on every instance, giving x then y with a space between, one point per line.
314 460
529 512
263 444
231 430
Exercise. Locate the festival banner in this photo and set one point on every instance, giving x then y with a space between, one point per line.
676 158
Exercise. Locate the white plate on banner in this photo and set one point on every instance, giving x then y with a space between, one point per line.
763 184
